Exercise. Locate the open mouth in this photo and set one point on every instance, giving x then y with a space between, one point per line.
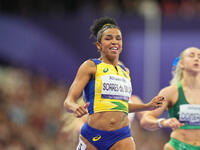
114 48
196 65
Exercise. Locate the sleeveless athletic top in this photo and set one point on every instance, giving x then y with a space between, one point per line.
187 113
109 90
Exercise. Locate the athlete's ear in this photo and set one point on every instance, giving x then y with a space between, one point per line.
181 63
98 44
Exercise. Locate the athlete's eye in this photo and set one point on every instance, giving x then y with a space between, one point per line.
199 56
191 55
108 37
118 37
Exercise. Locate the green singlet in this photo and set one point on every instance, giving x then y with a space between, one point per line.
178 145
175 109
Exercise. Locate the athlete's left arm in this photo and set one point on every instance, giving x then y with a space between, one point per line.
156 102
137 100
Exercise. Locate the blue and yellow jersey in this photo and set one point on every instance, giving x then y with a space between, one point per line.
109 90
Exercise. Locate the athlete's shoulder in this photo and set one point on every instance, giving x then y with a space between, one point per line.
89 66
170 88
170 92
127 70
124 68
89 62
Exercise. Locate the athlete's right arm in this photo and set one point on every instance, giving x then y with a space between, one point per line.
84 74
150 120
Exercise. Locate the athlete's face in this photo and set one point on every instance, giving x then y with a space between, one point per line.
191 60
111 43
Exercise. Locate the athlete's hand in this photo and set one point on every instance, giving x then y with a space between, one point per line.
172 123
156 102
81 110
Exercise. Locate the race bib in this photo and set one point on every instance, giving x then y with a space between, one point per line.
190 114
116 87
81 145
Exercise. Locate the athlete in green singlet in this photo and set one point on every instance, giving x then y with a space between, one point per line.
183 104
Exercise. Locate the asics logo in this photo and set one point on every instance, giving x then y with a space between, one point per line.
96 138
105 70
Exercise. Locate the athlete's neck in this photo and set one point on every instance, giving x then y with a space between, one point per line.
107 61
191 82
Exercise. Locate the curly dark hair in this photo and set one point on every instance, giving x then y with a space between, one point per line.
98 25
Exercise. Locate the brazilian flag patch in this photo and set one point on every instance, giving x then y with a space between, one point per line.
119 106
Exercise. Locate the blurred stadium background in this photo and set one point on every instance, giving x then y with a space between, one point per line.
43 42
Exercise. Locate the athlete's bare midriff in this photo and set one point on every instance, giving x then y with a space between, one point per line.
108 121
189 136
